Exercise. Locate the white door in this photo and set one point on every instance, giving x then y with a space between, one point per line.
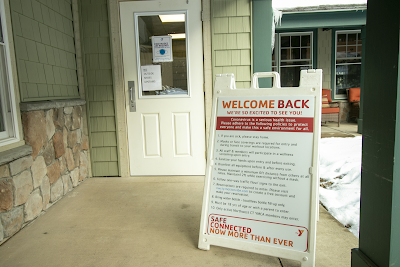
164 72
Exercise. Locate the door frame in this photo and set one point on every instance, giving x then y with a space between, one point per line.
118 79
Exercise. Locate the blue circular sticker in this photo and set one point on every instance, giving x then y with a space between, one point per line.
162 51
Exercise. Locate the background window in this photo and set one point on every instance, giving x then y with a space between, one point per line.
5 111
348 61
295 55
8 127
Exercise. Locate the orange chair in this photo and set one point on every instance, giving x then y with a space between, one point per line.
354 99
330 110
354 94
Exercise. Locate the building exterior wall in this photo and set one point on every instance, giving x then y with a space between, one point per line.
14 90
324 58
231 39
54 161
55 157
44 49
99 87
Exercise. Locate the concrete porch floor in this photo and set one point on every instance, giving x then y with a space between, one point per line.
346 129
145 221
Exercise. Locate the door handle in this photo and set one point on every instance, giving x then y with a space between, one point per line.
132 101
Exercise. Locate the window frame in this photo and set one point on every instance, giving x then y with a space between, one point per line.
12 121
277 45
274 56
334 59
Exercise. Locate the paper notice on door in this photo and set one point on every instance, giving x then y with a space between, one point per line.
162 48
151 78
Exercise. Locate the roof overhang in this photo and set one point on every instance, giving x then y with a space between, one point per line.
324 8
323 17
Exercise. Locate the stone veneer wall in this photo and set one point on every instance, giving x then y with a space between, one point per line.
58 163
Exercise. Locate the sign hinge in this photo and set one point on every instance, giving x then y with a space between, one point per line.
310 170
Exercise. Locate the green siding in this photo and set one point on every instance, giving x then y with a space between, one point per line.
99 89
45 49
231 39
262 38
324 51
106 168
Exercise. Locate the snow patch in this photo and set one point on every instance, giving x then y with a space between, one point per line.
277 17
340 173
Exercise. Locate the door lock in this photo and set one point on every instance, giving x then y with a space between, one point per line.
132 100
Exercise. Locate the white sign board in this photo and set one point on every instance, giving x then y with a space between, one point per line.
260 193
151 78
162 48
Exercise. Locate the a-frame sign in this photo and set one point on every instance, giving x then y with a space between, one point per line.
261 186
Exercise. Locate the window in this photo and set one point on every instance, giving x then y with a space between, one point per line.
161 45
8 119
295 54
348 61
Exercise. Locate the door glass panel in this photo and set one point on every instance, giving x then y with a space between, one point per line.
290 76
285 54
285 41
341 39
295 41
296 53
305 53
161 43
305 40
352 39
341 52
351 51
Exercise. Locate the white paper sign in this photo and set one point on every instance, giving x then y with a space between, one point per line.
162 48
151 78
261 185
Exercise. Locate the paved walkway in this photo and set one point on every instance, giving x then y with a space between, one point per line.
148 221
